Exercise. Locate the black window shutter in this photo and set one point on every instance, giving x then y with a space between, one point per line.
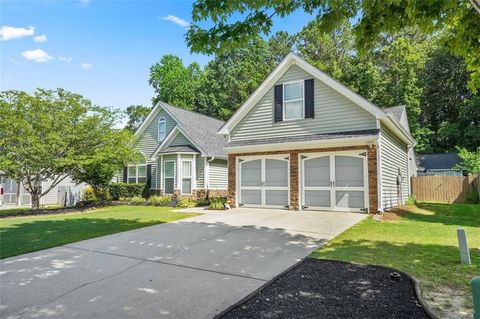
125 176
309 107
278 107
149 176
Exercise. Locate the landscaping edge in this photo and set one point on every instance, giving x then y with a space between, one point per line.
415 283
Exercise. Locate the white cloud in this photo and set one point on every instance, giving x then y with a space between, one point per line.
64 58
40 38
176 20
85 2
37 55
86 66
8 33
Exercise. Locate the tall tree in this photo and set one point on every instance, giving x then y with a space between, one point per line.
136 114
49 135
234 22
173 82
232 77
281 44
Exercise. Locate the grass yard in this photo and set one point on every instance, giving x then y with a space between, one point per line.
422 241
21 235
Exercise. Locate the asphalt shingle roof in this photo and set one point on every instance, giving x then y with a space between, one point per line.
201 129
313 137
175 149
437 161
396 111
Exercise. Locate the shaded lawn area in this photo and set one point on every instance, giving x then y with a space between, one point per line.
422 241
21 235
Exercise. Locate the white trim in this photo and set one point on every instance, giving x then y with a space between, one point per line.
379 173
206 173
161 172
287 62
163 175
333 189
352 141
194 171
263 188
160 121
170 137
302 82
191 176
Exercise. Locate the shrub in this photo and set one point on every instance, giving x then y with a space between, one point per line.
471 197
137 200
186 203
160 200
203 202
217 203
411 200
89 195
118 190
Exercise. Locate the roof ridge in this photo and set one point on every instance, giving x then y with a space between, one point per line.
193 112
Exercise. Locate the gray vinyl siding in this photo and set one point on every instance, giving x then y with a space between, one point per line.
200 168
51 198
180 140
218 174
394 155
154 174
333 113
148 142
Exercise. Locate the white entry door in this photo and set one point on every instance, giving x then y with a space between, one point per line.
264 182
334 181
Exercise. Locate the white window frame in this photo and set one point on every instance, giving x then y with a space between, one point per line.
164 177
163 121
293 100
183 177
136 171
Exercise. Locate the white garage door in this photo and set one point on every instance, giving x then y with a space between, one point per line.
335 181
264 181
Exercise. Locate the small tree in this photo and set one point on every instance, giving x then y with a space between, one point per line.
52 134
470 160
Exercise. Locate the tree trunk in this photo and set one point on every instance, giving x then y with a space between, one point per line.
19 199
35 199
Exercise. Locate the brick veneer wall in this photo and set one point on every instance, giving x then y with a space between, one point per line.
294 170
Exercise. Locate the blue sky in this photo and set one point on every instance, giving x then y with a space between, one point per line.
102 49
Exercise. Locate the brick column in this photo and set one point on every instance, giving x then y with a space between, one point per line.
294 189
372 180
232 180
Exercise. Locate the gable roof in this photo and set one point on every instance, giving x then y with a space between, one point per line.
400 113
437 161
293 59
200 129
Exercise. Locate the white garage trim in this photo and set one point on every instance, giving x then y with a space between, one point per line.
262 188
331 187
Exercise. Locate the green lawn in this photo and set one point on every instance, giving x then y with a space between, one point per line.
422 242
21 235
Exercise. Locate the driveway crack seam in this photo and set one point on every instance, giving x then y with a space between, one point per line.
171 264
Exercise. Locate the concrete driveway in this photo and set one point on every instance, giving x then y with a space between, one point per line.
192 268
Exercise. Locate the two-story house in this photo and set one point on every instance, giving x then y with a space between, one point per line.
304 141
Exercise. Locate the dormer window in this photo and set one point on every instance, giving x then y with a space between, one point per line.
162 129
293 101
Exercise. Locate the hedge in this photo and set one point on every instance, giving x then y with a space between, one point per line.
118 190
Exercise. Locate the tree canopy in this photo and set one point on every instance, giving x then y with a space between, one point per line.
235 22
52 134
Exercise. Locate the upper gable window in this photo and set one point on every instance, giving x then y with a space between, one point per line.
293 101
162 129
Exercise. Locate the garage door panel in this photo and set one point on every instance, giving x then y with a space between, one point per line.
317 171
251 197
251 173
276 173
349 199
317 198
348 171
276 197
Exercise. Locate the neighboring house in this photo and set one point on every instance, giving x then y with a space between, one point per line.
304 141
66 193
438 164
183 154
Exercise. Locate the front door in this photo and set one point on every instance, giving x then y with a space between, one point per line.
264 181
334 181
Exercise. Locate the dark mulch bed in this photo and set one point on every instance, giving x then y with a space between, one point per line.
331 289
